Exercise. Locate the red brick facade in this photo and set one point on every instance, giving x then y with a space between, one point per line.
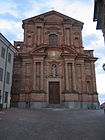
51 65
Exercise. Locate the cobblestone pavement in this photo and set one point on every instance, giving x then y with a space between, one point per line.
52 124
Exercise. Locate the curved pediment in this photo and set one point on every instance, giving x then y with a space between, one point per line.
61 49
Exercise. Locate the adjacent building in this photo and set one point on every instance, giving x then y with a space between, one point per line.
7 51
51 66
99 15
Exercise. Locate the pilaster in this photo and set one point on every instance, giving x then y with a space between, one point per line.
66 76
42 82
34 75
83 78
93 77
74 77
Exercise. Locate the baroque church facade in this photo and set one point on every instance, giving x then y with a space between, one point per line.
51 65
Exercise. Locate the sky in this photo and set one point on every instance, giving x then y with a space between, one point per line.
12 12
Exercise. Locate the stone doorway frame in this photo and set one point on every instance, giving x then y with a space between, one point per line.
54 97
53 80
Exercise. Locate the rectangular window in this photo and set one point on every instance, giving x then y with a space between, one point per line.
53 39
6 97
7 78
1 74
9 57
3 53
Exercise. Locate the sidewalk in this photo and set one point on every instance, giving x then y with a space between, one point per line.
52 124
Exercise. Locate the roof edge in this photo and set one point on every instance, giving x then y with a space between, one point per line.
10 44
52 11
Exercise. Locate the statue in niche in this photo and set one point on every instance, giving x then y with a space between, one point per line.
54 70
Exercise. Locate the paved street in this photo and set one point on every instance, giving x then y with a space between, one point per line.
52 124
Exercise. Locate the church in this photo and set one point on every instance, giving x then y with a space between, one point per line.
51 66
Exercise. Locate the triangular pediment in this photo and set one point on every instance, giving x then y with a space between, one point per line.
52 16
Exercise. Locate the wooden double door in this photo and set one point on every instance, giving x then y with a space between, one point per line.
54 92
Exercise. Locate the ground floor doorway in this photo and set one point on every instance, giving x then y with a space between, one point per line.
54 92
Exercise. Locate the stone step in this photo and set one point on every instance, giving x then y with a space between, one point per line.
55 106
